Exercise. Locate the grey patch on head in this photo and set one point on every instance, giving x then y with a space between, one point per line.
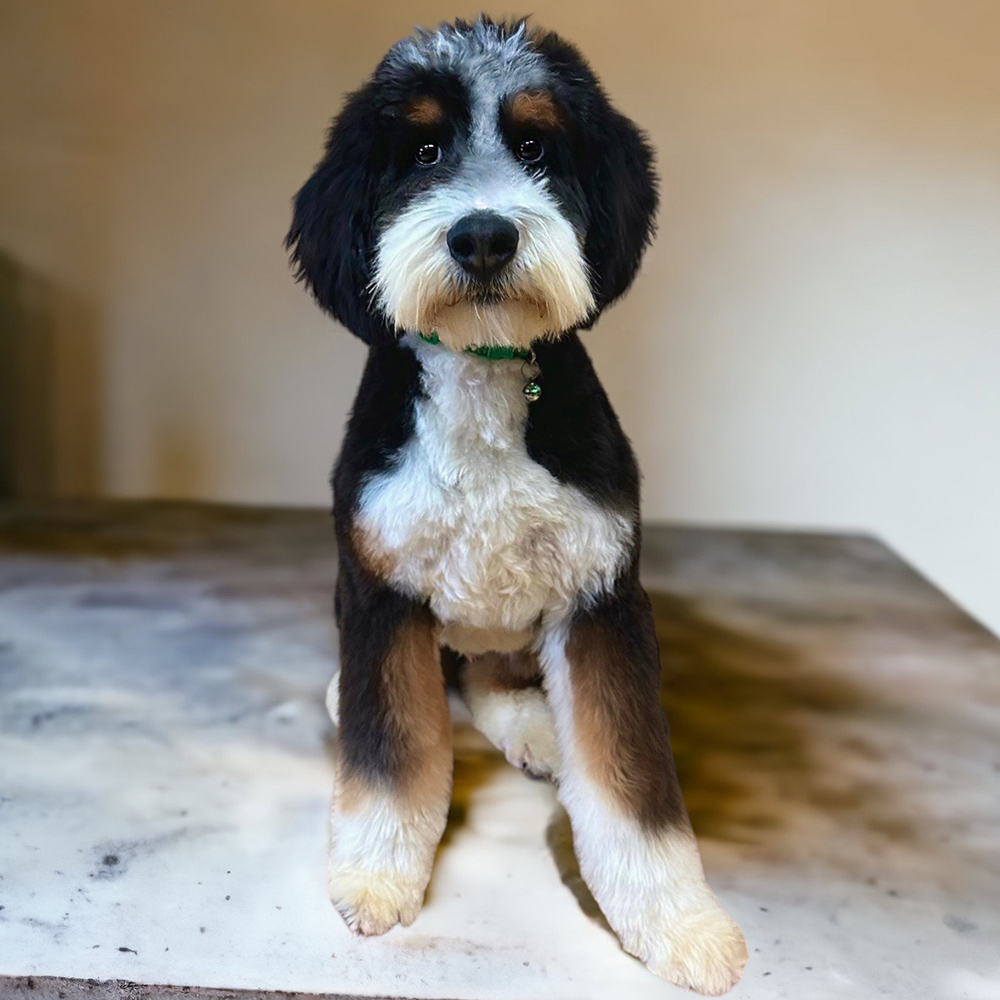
490 59
960 924
466 48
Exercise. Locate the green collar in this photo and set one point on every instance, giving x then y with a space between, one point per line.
490 353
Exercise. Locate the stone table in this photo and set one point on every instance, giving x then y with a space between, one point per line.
165 772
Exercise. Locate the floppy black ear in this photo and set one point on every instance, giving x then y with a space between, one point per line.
613 167
622 198
332 233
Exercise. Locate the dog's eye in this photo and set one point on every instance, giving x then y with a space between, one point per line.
529 150
428 154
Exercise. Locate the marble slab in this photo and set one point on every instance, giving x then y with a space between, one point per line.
166 765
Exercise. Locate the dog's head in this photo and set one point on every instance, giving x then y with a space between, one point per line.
479 185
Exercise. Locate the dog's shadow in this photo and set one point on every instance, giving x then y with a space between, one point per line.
746 714
559 838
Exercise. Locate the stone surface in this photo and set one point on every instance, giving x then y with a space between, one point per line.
165 770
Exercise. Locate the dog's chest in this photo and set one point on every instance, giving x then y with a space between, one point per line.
466 520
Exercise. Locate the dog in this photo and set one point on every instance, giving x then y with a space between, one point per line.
479 202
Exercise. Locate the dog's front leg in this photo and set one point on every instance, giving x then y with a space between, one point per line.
631 832
394 758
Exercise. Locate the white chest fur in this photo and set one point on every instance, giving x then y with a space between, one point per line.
469 522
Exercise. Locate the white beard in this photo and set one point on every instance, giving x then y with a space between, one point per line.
545 289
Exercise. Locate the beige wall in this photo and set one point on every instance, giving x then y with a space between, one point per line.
814 340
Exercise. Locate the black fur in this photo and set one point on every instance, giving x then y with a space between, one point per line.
381 422
333 223
629 686
573 431
608 165
598 167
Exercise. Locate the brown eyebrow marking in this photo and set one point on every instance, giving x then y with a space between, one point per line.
425 111
535 108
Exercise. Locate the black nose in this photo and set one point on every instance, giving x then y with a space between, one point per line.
484 243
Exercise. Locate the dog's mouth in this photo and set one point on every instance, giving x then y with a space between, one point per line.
495 294
487 296
490 317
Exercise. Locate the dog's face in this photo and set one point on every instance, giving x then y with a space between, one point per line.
479 185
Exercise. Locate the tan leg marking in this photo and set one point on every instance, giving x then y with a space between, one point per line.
385 832
619 726
418 706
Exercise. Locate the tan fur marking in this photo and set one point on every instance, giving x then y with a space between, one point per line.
620 728
535 109
425 111
419 709
371 556
511 671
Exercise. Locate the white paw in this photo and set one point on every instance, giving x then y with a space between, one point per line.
374 902
529 739
519 724
702 950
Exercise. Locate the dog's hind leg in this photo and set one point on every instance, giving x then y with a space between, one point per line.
509 707
394 760
631 832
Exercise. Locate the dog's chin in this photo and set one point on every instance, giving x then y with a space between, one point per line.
507 323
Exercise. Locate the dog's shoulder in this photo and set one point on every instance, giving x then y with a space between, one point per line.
381 422
573 431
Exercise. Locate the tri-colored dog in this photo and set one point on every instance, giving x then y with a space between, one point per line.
479 202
